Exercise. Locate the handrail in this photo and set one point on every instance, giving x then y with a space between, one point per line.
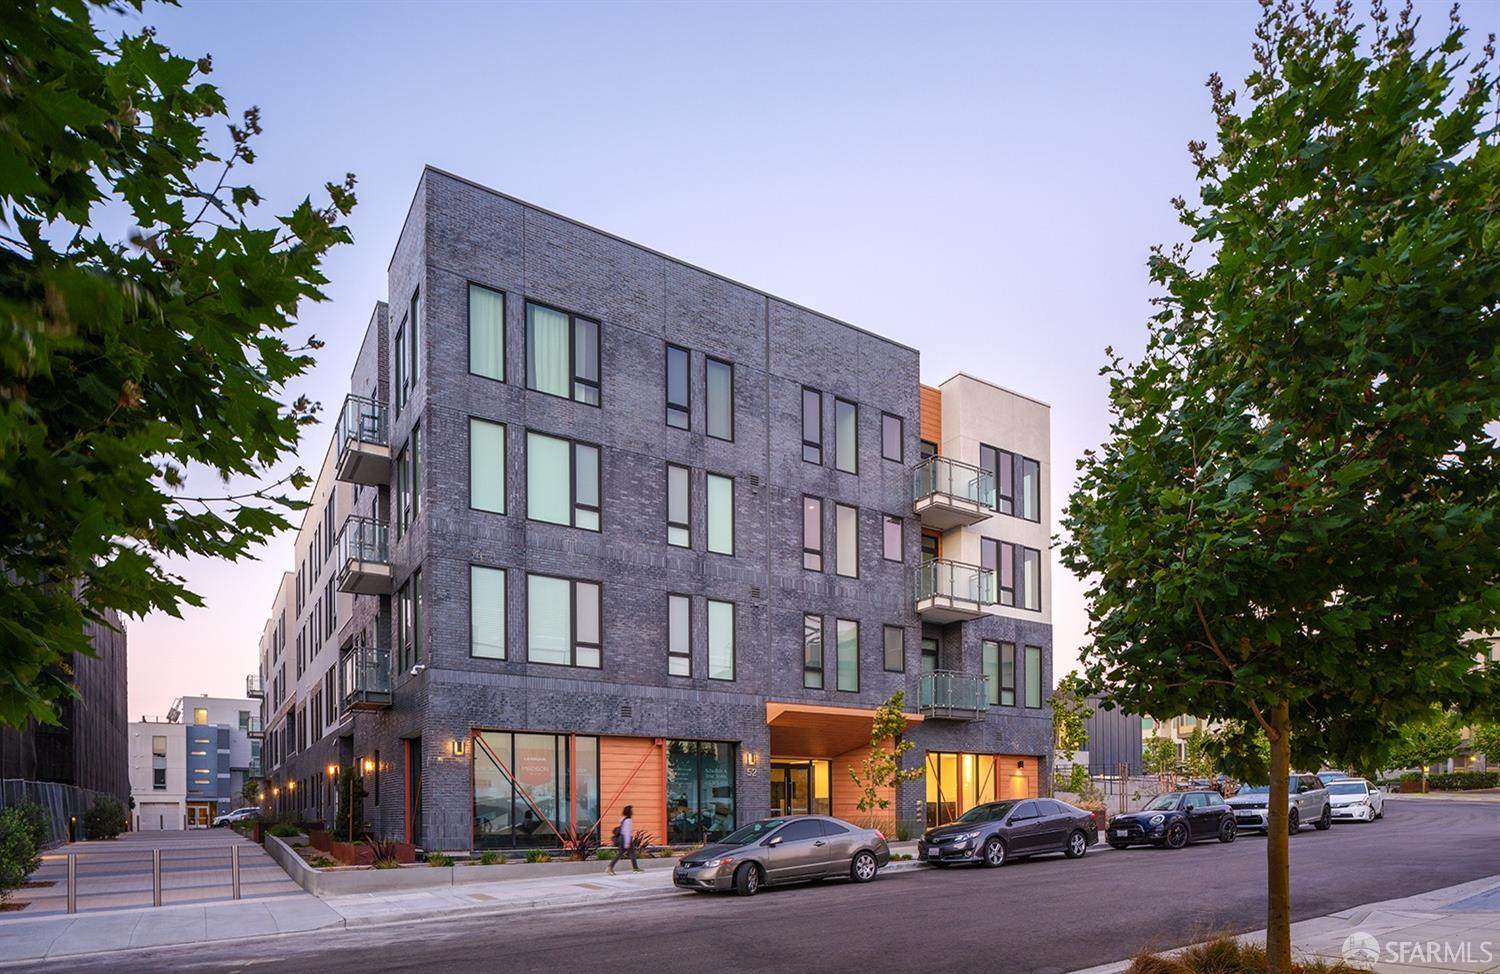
365 669
941 578
946 692
362 420
364 539
944 475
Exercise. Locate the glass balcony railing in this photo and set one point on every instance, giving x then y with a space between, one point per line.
948 693
366 676
253 727
253 686
955 581
940 476
364 539
363 442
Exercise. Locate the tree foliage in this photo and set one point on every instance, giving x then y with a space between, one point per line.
881 768
1295 519
1435 736
129 360
1241 750
1070 710
1158 755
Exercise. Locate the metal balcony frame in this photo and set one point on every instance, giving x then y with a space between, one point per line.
934 686
365 676
938 597
254 689
936 501
363 442
364 549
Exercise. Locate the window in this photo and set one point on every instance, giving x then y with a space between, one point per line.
486 612
679 391
846 540
895 649
1029 575
158 762
800 830
929 655
1007 674
1018 570
679 635
812 533
990 653
719 379
414 337
700 791
720 514
400 366
892 437
563 622
486 332
812 652
1018 482
931 546
927 449
679 507
200 715
891 547
562 481
409 620
846 436
812 425
720 640
486 466
848 655
562 354
1033 676
244 720
409 482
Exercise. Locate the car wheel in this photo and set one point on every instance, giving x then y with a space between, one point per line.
747 880
994 852
1228 831
864 867
1177 835
1381 813
1078 844
1325 821
1292 823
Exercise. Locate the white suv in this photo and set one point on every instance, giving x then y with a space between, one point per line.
1308 799
238 815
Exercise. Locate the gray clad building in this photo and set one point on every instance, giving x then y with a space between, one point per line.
598 527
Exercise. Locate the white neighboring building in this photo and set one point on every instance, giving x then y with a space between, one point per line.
158 775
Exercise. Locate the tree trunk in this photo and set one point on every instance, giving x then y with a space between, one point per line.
1278 874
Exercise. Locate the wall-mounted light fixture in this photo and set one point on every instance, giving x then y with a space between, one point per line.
751 759
1020 764
369 766
333 771
291 786
458 747
275 791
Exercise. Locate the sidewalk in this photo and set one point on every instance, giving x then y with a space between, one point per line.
1455 929
1476 795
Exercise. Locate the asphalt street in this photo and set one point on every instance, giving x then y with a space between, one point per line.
1042 915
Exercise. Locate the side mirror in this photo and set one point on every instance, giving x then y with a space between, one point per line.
774 840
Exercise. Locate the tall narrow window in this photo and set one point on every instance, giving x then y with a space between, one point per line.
409 620
563 622
891 540
562 481
846 540
848 655
1029 488
720 514
414 337
929 655
562 354
990 651
812 652
846 436
403 490
895 649
812 425
486 332
586 361
892 437
1008 674
679 507
812 533
679 390
1033 676
720 387
486 612
679 635
720 640
400 366
486 466
414 496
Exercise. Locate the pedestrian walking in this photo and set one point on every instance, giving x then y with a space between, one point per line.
624 840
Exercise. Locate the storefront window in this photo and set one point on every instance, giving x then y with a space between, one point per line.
956 782
700 790
527 787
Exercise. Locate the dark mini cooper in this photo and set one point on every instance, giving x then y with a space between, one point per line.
996 831
1173 820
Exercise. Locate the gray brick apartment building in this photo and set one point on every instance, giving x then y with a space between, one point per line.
598 527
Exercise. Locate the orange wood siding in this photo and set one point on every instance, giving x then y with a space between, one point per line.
845 793
930 414
1017 782
631 773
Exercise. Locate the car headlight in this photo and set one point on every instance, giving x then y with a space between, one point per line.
1158 819
721 861
969 836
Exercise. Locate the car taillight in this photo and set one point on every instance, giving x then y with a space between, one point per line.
880 835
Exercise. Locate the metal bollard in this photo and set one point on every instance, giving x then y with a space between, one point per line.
234 869
72 882
156 877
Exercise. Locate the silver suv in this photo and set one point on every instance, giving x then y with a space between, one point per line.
1309 803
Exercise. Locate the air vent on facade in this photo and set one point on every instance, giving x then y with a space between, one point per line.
754 480
755 591
626 710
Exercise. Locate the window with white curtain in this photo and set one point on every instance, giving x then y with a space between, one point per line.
846 540
720 385
562 481
486 332
486 466
486 612
846 436
562 354
679 507
679 635
720 514
720 640
848 655
563 626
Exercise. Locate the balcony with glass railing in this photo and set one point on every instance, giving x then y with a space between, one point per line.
947 494
951 695
363 442
365 673
951 591
364 557
254 689
254 728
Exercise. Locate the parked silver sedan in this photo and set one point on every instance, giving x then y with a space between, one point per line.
790 849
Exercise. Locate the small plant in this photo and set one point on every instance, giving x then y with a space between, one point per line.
607 855
903 833
284 830
489 858
19 856
105 818
643 841
585 847
439 859
385 864
663 853
1226 955
386 856
900 856
322 862
537 855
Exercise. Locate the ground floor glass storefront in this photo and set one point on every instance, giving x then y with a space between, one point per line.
700 791
956 782
801 787
534 789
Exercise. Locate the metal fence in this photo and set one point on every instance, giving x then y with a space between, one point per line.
61 802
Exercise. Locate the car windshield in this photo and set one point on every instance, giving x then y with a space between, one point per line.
1255 790
753 832
1347 788
989 812
1163 803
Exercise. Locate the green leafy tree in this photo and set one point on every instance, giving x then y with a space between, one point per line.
105 818
250 791
1435 736
881 769
1486 740
1070 710
128 363
1294 521
1158 756
1241 750
349 799
1199 760
20 855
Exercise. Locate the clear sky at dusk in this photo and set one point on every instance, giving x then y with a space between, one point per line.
980 181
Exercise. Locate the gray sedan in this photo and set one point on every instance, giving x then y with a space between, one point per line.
792 849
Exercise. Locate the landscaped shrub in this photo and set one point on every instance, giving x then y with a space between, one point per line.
105 818
37 822
438 859
1463 780
607 854
322 862
284 830
489 858
1225 956
537 855
19 856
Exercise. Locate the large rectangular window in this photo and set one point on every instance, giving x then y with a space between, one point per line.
720 640
1033 676
486 612
895 649
563 626
529 787
892 437
720 514
846 540
812 425
562 354
1018 571
486 332
990 661
486 466
399 366
812 533
846 436
1029 578
562 481
720 404
409 620
679 506
848 655
679 390
812 652
679 635
1008 674
891 537
409 482
1018 482
700 791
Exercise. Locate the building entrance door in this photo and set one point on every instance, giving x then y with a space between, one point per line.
791 789
199 815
